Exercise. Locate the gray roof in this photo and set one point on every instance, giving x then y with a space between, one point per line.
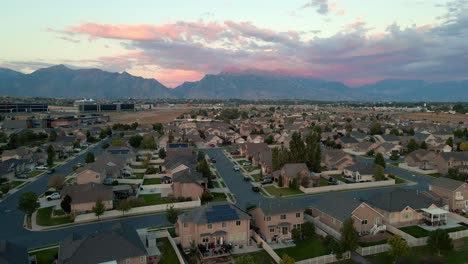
88 193
120 243
460 156
339 206
12 253
187 176
292 169
204 213
390 138
398 199
447 183
362 168
348 140
281 206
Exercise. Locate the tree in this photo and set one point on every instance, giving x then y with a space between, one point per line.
296 234
269 140
398 247
4 188
285 259
99 208
297 148
148 142
376 129
379 173
171 214
50 155
28 203
449 142
412 145
162 153
102 134
423 145
170 136
349 235
379 160
245 259
89 157
65 204
394 156
280 181
124 206
334 246
308 229
158 127
463 146
206 196
440 241
53 135
118 142
275 162
135 141
204 168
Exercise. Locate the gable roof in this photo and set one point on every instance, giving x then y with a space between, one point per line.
88 193
119 243
187 176
362 168
214 213
292 169
12 253
399 199
447 183
458 156
280 206
338 206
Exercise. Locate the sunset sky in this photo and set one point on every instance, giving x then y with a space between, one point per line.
354 41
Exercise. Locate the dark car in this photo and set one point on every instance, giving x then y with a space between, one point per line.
213 160
51 171
255 189
267 181
235 153
332 181
22 176
246 178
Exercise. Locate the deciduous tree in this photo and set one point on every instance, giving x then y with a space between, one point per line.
349 236
398 247
99 208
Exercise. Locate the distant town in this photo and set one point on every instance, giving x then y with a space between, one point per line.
232 181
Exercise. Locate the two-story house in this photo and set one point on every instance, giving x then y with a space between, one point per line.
448 160
451 192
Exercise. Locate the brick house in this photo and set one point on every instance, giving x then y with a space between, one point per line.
276 220
297 171
451 192
213 225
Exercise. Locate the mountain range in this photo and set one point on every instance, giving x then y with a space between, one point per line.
62 82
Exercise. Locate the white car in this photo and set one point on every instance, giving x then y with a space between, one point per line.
236 168
246 164
41 168
54 196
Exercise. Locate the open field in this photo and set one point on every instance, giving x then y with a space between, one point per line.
436 117
146 117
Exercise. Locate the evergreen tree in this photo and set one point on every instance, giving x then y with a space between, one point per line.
412 146
297 148
398 247
379 160
53 135
423 145
275 162
349 235
440 241
50 155
449 142
379 173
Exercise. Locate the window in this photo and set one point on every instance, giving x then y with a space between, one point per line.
364 222
142 259
297 226
268 218
238 223
272 230
189 238
376 220
223 224
298 215
210 226
185 225
466 203
283 216
205 239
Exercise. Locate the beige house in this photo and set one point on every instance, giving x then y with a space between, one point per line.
276 220
188 184
450 192
84 196
89 176
333 210
451 160
421 159
360 172
213 225
403 207
297 171
336 159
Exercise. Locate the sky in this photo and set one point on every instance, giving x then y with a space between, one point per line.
353 41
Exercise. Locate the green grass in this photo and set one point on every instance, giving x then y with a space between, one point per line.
69 180
415 231
455 229
216 184
281 191
231 197
323 182
399 180
394 164
13 184
218 197
138 167
168 254
436 175
139 175
223 184
257 176
338 177
425 254
259 257
251 168
59 212
151 181
44 218
154 199
369 244
242 161
305 249
237 156
46 256
35 173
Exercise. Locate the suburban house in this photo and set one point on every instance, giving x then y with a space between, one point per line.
298 171
19 153
84 196
276 220
387 148
336 159
360 172
13 167
333 210
451 160
188 184
213 225
387 139
346 142
251 149
122 245
450 192
363 147
11 253
421 159
105 166
255 139
264 160
403 207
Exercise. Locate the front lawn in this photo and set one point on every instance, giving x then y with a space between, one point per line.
45 256
223 184
455 229
138 167
168 254
259 257
35 173
415 231
399 180
305 249
151 181
281 191
323 182
436 175
44 218
218 197
216 184
257 176
251 168
154 199
139 175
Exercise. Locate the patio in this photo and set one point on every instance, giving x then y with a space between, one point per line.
282 244
450 223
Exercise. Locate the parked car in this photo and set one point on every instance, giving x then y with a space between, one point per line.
51 171
235 153
255 189
22 176
246 164
213 160
79 165
213 177
212 145
332 181
267 181
41 168
246 178
54 196
236 168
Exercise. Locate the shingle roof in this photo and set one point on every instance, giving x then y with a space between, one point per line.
187 176
362 168
88 193
281 206
447 183
339 206
11 253
460 156
120 243
201 214
292 169
398 199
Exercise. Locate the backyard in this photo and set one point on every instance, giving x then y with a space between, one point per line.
151 181
281 191
417 231
154 199
305 249
259 257
168 254
45 256
44 218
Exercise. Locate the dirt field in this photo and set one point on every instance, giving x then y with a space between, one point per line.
436 117
56 107
147 118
